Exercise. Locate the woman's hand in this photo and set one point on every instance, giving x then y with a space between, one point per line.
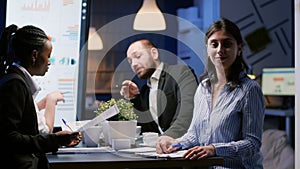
164 145
75 140
68 138
56 96
51 99
199 152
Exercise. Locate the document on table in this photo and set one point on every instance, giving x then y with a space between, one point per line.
85 150
113 110
138 150
177 154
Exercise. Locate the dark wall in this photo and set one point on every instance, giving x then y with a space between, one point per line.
2 14
103 12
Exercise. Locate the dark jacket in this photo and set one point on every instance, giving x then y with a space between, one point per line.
22 146
177 86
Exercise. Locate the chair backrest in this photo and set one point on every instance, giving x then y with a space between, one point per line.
277 153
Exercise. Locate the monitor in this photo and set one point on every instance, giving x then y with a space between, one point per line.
278 81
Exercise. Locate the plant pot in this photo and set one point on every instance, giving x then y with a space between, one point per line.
119 130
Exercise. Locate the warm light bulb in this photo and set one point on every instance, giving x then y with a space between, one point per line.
149 17
94 40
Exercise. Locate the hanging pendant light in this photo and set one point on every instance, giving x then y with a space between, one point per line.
94 40
149 17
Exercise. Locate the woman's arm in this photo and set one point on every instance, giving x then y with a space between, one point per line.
49 103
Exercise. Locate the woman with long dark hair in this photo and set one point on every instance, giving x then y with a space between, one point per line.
229 106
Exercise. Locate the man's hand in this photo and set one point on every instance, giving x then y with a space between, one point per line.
129 89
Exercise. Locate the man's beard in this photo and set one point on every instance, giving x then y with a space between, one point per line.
148 73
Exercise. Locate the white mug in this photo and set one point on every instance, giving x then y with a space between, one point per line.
150 138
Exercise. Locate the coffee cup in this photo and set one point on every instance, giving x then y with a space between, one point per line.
150 138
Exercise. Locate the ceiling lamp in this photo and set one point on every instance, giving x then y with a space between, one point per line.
149 17
94 41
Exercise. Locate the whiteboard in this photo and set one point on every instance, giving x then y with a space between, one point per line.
61 20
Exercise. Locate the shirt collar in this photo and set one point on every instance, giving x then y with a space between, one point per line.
34 88
156 74
228 84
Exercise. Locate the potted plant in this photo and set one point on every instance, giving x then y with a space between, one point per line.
121 126
125 107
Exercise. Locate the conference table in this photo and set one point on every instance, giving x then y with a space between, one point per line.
119 160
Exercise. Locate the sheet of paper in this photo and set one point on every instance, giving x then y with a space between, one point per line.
85 150
113 110
74 125
138 150
177 154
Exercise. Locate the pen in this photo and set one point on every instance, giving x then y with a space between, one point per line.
177 146
66 124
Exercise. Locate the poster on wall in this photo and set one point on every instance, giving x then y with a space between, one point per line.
61 20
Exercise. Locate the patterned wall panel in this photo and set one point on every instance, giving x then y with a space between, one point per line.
270 24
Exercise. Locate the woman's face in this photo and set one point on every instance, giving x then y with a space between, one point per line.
222 49
42 60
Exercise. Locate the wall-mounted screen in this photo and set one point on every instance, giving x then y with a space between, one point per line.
278 81
61 20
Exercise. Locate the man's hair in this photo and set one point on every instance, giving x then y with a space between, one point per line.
146 42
